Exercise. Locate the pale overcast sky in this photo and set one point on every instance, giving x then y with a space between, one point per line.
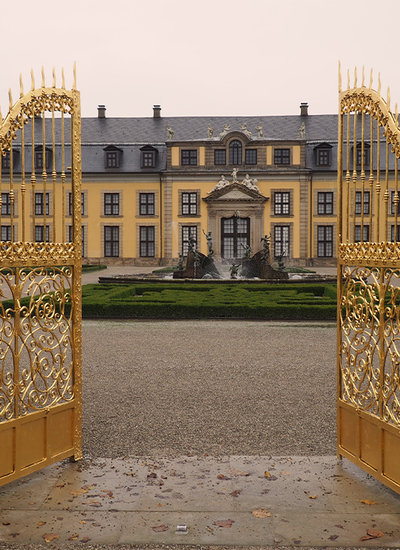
200 57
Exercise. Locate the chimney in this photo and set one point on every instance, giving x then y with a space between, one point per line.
303 109
101 111
156 111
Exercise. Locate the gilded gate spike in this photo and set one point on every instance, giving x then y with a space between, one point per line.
33 80
10 98
54 77
379 83
396 113
363 78
62 79
355 77
371 78
21 86
74 83
388 98
340 77
43 79
348 79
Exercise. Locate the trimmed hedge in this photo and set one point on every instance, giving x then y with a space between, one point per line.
190 301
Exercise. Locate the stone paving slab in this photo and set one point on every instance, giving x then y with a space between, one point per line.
305 501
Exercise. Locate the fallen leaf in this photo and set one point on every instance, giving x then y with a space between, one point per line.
224 523
372 534
160 528
153 475
369 502
313 496
75 536
235 493
61 485
84 539
6 523
49 537
267 474
83 522
221 476
261 513
131 474
40 523
95 503
333 537
375 533
81 491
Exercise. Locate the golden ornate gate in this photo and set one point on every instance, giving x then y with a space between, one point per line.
369 282
40 280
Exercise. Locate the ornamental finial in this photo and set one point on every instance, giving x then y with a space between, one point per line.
363 78
371 76
62 79
340 77
33 80
21 86
379 83
355 77
10 98
54 77
43 78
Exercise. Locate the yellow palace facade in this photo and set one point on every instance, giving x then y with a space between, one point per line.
151 184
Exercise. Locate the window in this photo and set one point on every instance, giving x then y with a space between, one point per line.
83 235
235 152
281 240
39 233
5 164
39 204
358 202
39 158
251 156
281 156
323 155
281 203
111 241
112 156
148 159
325 241
189 204
146 204
147 243
325 202
5 204
392 204
70 204
188 231
5 233
189 157
391 232
111 204
220 156
366 155
357 234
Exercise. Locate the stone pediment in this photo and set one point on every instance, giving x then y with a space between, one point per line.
235 192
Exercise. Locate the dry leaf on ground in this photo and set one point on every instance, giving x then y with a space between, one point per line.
160 528
235 493
40 523
373 534
261 513
75 536
221 476
313 496
49 537
224 523
367 501
81 491
267 474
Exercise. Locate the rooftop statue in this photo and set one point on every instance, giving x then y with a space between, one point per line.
210 132
170 132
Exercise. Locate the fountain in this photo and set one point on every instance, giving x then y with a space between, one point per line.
200 266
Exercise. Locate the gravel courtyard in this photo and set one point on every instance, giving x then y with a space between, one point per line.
170 388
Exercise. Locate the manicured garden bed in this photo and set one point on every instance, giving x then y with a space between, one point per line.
192 301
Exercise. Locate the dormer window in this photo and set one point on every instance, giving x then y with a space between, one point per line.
39 156
235 152
112 157
323 154
148 156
